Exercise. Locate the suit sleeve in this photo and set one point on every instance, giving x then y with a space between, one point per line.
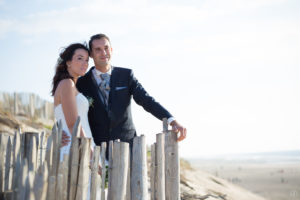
142 98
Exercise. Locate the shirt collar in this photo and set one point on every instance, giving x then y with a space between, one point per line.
98 72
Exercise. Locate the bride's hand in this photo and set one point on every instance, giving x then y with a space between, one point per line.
65 139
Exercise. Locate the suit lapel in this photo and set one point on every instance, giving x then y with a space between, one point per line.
112 83
95 88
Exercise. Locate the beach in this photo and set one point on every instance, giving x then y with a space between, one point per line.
273 179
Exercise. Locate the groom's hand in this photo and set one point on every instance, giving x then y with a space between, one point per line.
176 127
65 139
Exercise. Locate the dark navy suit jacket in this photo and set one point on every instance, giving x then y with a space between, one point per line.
115 120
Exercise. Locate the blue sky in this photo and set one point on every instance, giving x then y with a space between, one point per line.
227 70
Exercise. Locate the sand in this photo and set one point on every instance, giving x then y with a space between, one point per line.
271 180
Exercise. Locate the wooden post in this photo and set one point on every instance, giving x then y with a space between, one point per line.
51 188
49 153
119 170
160 167
73 168
128 188
94 176
139 188
56 149
31 152
17 179
84 175
31 105
172 167
41 182
41 157
46 110
30 185
16 162
21 194
110 168
165 125
2 161
8 166
103 171
74 160
65 170
59 186
153 172
16 103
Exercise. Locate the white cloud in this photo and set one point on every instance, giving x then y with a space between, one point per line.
136 15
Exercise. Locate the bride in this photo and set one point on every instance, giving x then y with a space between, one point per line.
68 102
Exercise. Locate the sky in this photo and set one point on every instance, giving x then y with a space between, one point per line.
227 70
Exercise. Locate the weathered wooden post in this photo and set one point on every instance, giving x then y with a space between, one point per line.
83 174
160 167
171 165
103 171
49 154
51 188
23 179
16 103
59 189
128 188
8 166
153 169
110 168
56 150
119 170
2 161
65 171
94 174
41 150
16 161
46 110
31 152
31 105
41 182
74 160
139 186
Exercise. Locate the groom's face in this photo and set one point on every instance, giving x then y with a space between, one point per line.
101 52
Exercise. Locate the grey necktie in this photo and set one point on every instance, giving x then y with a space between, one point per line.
104 86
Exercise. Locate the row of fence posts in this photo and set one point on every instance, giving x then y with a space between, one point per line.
18 107
31 168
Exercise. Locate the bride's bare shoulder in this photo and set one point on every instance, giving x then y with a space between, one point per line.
66 84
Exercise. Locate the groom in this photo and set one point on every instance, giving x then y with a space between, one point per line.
109 90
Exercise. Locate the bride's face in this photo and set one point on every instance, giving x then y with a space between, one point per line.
79 63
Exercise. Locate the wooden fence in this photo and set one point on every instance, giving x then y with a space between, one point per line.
31 168
27 104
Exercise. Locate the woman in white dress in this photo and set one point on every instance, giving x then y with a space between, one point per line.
68 102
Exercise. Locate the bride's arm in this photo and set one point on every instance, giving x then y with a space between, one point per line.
68 101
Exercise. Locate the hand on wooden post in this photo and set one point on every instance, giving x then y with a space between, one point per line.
65 139
176 127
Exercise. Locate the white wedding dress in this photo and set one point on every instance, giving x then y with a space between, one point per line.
82 109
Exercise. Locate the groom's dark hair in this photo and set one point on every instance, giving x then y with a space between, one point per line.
97 37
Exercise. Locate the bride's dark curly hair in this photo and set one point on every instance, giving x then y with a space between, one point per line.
61 71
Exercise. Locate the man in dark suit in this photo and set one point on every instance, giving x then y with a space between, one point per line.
110 89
